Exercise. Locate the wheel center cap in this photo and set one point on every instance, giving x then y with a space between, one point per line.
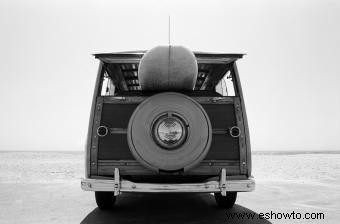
169 131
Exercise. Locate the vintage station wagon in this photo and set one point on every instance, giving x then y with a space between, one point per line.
168 120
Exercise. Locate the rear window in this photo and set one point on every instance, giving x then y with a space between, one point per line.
122 79
226 86
108 87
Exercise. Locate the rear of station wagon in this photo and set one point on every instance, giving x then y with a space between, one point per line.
172 140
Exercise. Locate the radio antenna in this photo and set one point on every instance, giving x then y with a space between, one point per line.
169 40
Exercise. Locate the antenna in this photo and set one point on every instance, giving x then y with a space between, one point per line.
169 31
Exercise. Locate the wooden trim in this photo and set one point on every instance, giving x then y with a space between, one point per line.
220 131
136 163
94 143
91 119
201 60
124 99
132 167
214 100
140 53
245 161
118 130
139 99
241 138
215 131
136 59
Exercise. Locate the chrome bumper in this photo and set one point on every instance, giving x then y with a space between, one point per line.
117 185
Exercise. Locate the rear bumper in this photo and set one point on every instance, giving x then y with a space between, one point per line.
117 185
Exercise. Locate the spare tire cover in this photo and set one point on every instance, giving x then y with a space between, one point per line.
144 146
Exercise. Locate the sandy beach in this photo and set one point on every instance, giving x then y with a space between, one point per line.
44 187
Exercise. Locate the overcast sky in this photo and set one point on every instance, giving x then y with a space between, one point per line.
290 76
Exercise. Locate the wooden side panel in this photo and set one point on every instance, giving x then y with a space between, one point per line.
221 116
132 167
223 146
116 117
114 146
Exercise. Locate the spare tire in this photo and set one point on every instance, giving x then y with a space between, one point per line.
169 132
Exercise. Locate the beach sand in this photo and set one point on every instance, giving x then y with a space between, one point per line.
44 187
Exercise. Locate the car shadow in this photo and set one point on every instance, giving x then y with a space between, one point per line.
170 208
